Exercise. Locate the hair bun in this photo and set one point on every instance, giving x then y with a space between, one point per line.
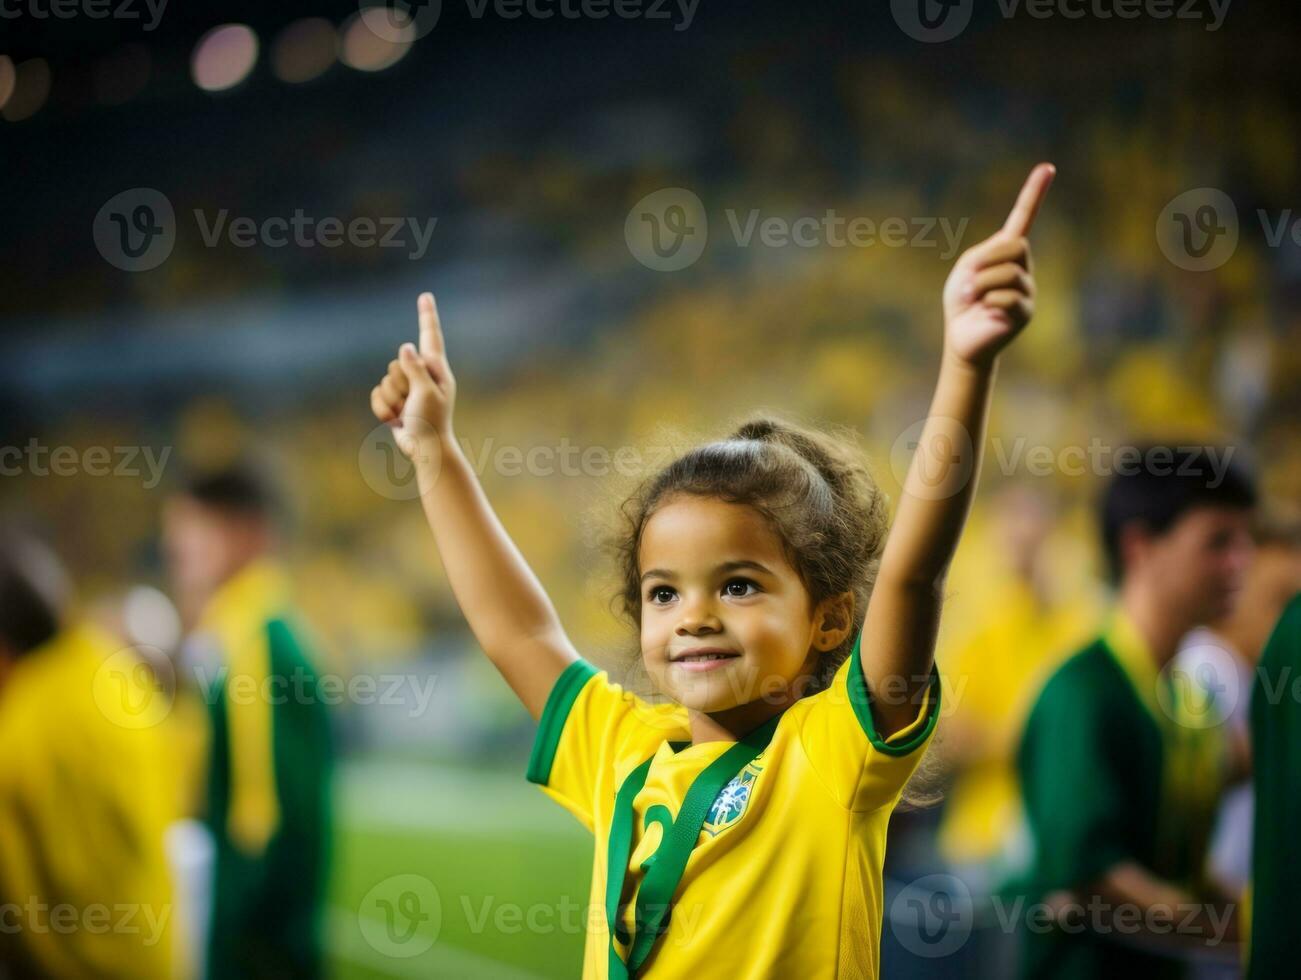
757 429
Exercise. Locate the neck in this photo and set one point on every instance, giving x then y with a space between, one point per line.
1029 575
733 724
1246 630
1161 630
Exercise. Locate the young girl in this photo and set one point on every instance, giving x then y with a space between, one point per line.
740 829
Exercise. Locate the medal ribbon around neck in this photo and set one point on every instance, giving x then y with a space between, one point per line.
664 872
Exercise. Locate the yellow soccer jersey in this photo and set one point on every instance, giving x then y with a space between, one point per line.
785 877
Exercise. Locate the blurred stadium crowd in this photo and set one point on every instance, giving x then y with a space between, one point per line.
561 338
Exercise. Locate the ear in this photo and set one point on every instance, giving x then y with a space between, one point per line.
833 620
1134 545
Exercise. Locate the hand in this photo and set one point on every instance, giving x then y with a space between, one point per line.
989 295
416 396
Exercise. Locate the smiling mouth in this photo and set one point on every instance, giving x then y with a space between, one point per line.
704 660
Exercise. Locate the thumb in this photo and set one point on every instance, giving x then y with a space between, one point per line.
414 368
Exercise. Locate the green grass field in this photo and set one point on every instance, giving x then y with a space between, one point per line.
454 873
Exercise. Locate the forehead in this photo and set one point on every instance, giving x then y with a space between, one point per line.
181 508
698 532
1210 520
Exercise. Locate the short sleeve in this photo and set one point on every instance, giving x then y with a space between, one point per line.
863 770
590 731
1074 800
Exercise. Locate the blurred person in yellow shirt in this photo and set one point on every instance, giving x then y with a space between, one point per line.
1029 628
87 789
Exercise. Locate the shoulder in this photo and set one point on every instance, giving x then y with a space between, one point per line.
1285 640
1280 659
589 714
1078 686
585 685
290 641
1087 668
76 698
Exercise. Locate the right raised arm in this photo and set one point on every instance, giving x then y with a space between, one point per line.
505 605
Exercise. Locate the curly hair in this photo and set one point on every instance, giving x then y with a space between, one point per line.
813 487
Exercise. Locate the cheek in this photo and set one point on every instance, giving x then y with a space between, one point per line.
654 637
1182 561
771 638
1215 560
1211 568
194 549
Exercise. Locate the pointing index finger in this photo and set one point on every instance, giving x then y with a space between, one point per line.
431 334
1027 202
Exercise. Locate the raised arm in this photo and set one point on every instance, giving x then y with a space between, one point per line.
988 299
510 615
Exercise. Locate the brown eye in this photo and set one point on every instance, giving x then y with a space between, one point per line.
656 591
744 583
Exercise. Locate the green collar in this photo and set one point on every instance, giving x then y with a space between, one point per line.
1193 749
1130 650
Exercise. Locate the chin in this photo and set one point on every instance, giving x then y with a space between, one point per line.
703 702
716 690
1219 607
706 696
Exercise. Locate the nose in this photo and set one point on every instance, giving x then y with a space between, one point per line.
1240 556
698 616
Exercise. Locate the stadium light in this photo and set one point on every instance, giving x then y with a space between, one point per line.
304 50
372 43
28 90
224 57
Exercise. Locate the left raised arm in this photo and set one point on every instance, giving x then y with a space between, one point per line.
988 300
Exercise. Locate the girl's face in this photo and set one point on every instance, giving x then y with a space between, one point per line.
714 577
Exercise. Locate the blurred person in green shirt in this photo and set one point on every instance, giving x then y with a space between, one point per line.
1121 767
271 756
1275 944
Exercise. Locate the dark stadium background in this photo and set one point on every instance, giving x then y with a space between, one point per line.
529 140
